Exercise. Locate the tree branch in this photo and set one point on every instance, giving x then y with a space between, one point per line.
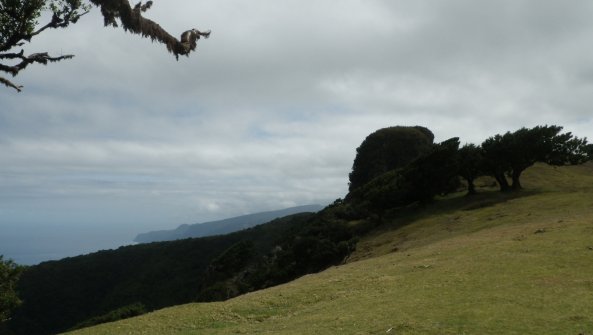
12 55
58 22
60 19
24 14
10 84
41 58
133 21
16 35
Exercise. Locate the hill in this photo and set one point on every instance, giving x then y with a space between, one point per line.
131 280
221 227
515 263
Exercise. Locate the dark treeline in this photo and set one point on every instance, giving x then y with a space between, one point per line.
438 167
110 285
394 167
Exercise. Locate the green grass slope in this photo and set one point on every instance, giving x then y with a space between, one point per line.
493 264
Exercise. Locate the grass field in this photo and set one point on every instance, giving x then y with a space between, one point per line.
493 264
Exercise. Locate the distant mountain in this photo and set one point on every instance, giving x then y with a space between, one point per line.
222 227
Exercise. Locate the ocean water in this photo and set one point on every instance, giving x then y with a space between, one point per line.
32 244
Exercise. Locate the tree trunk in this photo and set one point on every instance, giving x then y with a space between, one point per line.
502 182
516 182
471 188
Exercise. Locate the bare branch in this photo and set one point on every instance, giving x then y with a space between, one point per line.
12 55
13 70
41 58
10 84
57 22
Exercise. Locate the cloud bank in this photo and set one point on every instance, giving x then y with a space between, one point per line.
269 111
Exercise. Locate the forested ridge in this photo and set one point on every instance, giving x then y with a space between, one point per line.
110 285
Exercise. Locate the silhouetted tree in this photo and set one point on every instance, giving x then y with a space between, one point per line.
9 275
495 150
470 165
388 149
512 153
432 174
589 152
19 24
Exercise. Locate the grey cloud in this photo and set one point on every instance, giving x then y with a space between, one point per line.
269 111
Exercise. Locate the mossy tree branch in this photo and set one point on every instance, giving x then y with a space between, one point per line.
18 25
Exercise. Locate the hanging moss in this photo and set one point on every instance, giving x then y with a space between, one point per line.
131 20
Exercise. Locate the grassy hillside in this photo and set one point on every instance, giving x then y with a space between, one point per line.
112 284
493 264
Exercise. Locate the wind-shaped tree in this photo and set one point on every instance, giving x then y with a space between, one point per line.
19 24
388 149
470 165
512 153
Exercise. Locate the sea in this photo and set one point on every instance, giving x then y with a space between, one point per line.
30 245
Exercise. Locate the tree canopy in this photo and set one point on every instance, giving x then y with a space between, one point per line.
513 152
388 149
19 24
432 173
470 165
9 275
398 166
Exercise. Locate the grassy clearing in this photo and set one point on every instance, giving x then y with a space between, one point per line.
496 264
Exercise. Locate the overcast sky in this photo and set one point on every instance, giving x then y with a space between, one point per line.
268 112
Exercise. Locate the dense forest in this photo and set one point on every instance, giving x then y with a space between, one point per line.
394 168
221 227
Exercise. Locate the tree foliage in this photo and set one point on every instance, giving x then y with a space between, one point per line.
508 155
388 149
19 24
470 165
396 182
432 173
61 294
9 275
108 285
